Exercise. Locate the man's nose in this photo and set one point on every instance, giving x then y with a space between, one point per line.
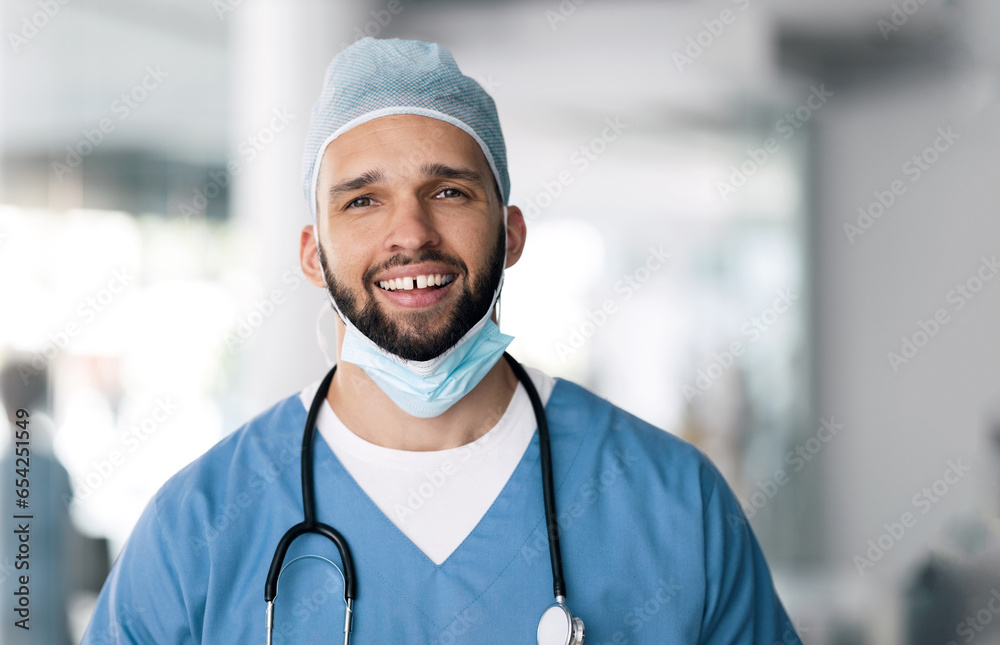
411 227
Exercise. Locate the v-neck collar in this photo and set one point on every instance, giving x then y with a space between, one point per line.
382 552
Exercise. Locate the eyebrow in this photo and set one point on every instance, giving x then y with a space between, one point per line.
364 179
450 172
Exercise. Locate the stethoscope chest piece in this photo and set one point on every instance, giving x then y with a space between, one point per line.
559 627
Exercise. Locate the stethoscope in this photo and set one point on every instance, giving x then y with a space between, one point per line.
557 625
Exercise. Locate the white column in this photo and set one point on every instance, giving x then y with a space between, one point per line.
279 51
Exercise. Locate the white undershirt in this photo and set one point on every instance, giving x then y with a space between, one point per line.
437 497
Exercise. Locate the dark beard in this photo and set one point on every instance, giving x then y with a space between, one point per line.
414 344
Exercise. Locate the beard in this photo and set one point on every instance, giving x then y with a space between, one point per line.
411 340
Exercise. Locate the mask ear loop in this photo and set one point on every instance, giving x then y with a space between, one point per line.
324 310
320 337
496 307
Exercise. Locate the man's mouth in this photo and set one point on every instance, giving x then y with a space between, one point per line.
409 283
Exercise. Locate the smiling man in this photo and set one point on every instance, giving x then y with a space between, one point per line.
453 496
416 238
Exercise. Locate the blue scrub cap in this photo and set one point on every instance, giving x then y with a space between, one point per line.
375 78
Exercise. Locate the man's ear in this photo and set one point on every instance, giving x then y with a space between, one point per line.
516 232
309 257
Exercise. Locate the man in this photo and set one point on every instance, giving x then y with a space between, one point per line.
429 466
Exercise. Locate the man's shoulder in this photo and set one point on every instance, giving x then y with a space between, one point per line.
263 447
616 465
592 420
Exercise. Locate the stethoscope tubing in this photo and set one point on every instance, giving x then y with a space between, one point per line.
310 525
548 490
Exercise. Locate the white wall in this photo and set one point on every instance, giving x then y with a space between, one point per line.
902 428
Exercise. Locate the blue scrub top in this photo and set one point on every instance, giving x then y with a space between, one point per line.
655 548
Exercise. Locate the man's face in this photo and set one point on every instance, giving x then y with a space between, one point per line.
409 199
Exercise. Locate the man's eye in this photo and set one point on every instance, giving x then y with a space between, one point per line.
451 192
360 202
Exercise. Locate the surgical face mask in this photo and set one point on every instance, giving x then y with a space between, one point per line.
428 388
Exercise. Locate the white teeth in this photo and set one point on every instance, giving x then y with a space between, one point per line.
416 282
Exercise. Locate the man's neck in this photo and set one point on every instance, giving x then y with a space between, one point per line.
369 413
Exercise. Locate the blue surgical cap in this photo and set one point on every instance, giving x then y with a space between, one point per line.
375 78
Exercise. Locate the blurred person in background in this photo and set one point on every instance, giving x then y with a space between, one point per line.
435 479
45 562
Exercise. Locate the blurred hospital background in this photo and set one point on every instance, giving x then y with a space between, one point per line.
767 226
